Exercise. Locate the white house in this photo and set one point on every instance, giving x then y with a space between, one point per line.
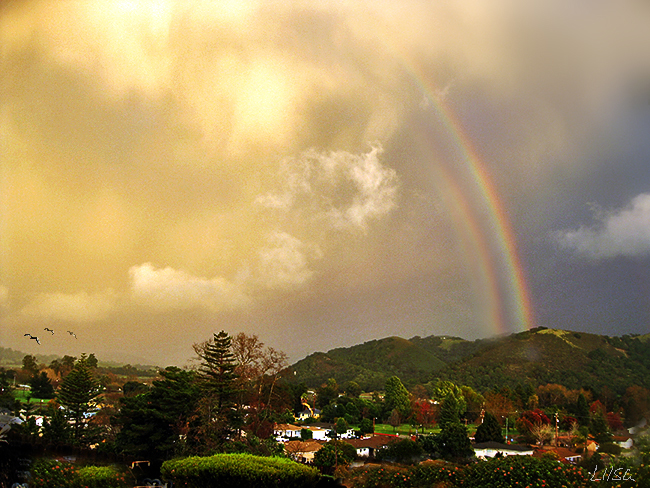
484 450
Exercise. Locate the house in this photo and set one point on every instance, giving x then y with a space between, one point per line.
319 433
282 432
563 454
307 414
484 450
302 451
624 441
368 446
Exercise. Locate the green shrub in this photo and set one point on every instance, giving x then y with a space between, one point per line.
238 471
525 471
100 477
50 473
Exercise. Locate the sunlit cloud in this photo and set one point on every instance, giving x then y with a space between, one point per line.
78 307
623 232
167 289
346 190
284 263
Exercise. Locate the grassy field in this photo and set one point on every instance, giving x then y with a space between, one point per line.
23 395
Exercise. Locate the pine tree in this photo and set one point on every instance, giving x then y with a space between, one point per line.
77 392
217 407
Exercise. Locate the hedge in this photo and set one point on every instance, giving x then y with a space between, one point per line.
238 471
51 473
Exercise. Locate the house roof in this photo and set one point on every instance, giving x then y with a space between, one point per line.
302 446
286 427
562 452
502 447
374 442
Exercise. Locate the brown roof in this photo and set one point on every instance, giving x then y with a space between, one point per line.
286 427
562 452
302 446
374 442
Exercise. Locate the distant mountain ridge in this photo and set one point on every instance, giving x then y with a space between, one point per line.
541 355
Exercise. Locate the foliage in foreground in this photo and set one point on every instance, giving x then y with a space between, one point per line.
51 473
523 471
239 470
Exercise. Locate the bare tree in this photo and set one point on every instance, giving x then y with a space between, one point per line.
542 433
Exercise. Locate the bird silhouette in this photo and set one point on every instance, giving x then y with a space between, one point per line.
49 330
35 338
72 334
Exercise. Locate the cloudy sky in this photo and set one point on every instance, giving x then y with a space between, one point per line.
320 173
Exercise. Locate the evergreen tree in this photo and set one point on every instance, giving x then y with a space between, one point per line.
56 429
217 407
582 410
76 394
450 411
453 442
489 430
153 421
41 386
397 397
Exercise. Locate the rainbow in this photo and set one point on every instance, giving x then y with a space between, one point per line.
507 290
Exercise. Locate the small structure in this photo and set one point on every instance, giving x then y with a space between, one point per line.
284 432
562 454
302 451
368 446
624 441
484 450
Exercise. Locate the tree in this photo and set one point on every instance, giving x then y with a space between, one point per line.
76 393
352 389
327 393
56 429
217 407
341 426
306 434
450 411
397 397
156 422
489 430
30 365
395 419
41 386
453 441
366 427
334 453
582 410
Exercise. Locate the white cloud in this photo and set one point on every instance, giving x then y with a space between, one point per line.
72 307
347 190
168 289
284 264
625 232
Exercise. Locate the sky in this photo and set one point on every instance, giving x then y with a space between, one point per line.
320 173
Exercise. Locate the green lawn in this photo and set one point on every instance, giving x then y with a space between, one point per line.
22 395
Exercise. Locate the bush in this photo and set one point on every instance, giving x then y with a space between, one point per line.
402 451
525 471
50 473
239 471
100 477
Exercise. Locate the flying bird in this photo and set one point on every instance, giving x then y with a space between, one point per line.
35 338
49 330
72 334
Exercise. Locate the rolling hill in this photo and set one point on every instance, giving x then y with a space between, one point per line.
539 356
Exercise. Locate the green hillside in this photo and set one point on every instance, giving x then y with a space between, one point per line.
539 356
572 359
370 364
